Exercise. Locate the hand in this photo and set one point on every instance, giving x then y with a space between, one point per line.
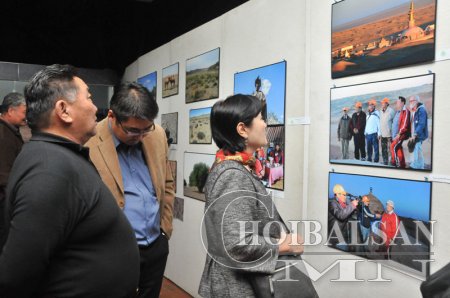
290 243
378 215
355 130
355 203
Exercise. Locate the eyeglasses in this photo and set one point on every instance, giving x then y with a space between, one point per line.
133 132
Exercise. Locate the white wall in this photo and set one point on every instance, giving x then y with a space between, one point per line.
262 32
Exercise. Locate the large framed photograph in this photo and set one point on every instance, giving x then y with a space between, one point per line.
170 124
149 81
202 76
369 36
196 170
383 124
268 83
200 126
270 159
173 168
381 218
170 76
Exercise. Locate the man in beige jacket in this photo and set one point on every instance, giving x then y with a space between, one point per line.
130 153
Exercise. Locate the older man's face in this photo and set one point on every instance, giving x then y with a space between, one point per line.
18 115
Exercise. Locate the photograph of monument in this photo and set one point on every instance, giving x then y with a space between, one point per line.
368 36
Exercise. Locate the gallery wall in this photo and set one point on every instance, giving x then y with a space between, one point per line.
263 32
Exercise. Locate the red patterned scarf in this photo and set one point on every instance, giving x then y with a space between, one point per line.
242 157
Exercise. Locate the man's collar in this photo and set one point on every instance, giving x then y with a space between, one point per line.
14 128
56 139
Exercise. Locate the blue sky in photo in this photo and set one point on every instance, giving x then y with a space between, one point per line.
351 10
411 198
170 70
273 79
198 112
203 61
148 81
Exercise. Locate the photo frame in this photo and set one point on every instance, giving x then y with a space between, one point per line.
200 126
369 36
173 168
393 153
270 159
203 76
196 169
401 229
169 122
178 208
268 83
149 82
170 80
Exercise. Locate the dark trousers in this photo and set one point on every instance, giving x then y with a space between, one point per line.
153 263
372 147
385 149
360 145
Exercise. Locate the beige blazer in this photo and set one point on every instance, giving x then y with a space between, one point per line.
104 156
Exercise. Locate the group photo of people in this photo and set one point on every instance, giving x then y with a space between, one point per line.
386 124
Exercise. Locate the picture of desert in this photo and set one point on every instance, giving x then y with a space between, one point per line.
348 96
202 76
170 124
170 80
386 34
199 126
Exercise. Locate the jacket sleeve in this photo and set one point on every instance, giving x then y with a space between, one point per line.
339 129
239 209
405 125
341 213
169 197
39 222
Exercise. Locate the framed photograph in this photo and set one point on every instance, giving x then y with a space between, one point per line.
381 218
268 83
173 168
370 125
202 76
368 36
196 169
170 76
270 159
178 208
149 81
200 126
170 124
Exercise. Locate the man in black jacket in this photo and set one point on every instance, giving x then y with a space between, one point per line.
12 117
66 236
357 127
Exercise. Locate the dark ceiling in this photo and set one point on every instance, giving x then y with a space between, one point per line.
100 34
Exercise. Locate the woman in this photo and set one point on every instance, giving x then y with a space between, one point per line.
238 211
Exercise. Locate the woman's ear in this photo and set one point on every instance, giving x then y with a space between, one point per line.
242 130
62 111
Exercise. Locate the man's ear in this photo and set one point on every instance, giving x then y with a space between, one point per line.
62 111
242 130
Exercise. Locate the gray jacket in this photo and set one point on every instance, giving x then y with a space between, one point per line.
235 196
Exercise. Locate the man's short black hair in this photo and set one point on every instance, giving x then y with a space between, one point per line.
45 88
132 100
225 116
402 99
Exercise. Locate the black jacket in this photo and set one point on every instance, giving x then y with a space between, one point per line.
66 236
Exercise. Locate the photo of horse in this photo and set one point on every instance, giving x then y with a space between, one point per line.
170 77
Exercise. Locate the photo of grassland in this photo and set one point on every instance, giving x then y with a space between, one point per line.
199 126
202 76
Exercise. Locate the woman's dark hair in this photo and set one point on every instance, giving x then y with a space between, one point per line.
133 100
225 116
